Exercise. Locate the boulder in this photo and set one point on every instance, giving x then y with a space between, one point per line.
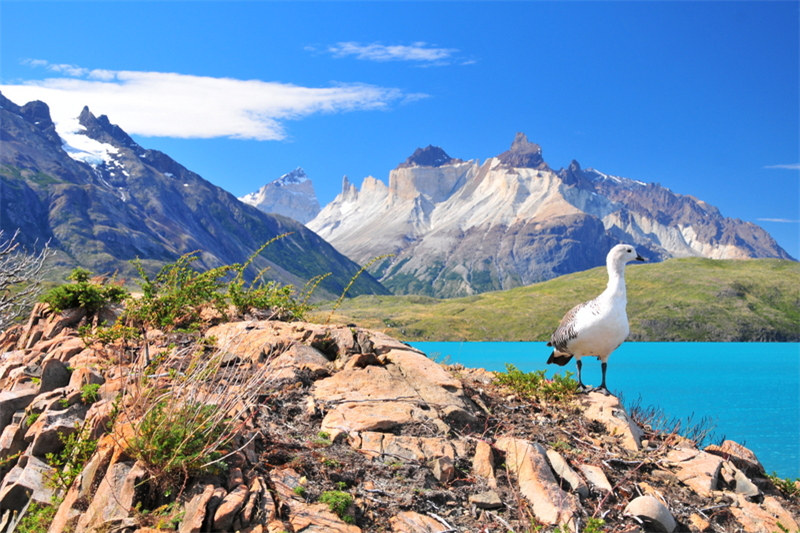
54 375
85 376
114 498
608 410
528 462
653 513
28 479
486 500
13 401
443 469
407 388
596 476
405 448
296 361
566 474
696 469
483 463
195 509
763 518
230 505
742 457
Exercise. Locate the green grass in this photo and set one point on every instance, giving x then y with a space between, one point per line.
676 300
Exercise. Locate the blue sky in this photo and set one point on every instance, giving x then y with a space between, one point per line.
701 97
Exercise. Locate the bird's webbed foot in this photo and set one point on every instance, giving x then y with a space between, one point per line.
602 390
583 389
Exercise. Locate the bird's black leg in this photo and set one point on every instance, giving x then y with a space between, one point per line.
581 386
602 388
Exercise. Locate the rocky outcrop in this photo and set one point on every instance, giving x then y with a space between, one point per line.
405 443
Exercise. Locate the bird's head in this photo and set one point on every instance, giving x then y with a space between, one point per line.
623 253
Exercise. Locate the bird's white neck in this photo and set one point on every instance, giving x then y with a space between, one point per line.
616 282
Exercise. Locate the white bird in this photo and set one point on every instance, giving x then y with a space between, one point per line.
596 327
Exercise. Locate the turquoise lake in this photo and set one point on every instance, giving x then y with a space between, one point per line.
749 392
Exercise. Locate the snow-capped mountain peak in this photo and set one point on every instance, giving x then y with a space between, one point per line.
291 195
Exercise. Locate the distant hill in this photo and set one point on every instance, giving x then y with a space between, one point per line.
101 200
689 299
462 227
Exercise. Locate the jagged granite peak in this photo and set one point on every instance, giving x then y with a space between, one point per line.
467 228
291 195
573 174
430 156
295 177
523 154
101 214
101 129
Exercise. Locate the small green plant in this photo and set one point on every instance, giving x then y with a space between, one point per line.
534 385
32 417
594 525
784 529
167 516
561 445
110 334
785 485
323 439
338 502
300 491
331 463
89 393
69 462
83 292
37 518
177 294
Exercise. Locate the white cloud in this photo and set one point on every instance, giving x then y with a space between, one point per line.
163 104
419 52
780 220
791 166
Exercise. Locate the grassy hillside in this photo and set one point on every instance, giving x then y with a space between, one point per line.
677 300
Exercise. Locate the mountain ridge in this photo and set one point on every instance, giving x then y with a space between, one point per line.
465 227
109 201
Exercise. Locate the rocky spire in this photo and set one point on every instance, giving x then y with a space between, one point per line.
523 154
101 129
430 156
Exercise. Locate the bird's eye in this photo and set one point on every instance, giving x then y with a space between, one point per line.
629 250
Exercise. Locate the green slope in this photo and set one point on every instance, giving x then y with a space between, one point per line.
676 300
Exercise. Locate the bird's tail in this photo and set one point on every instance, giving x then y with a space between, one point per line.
559 358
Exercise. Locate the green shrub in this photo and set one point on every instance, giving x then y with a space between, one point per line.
183 438
177 294
785 485
89 393
83 292
339 503
37 518
534 385
186 410
175 298
69 462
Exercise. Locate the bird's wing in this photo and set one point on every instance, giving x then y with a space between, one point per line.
567 329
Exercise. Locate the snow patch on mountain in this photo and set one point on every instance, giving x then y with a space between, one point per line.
81 147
